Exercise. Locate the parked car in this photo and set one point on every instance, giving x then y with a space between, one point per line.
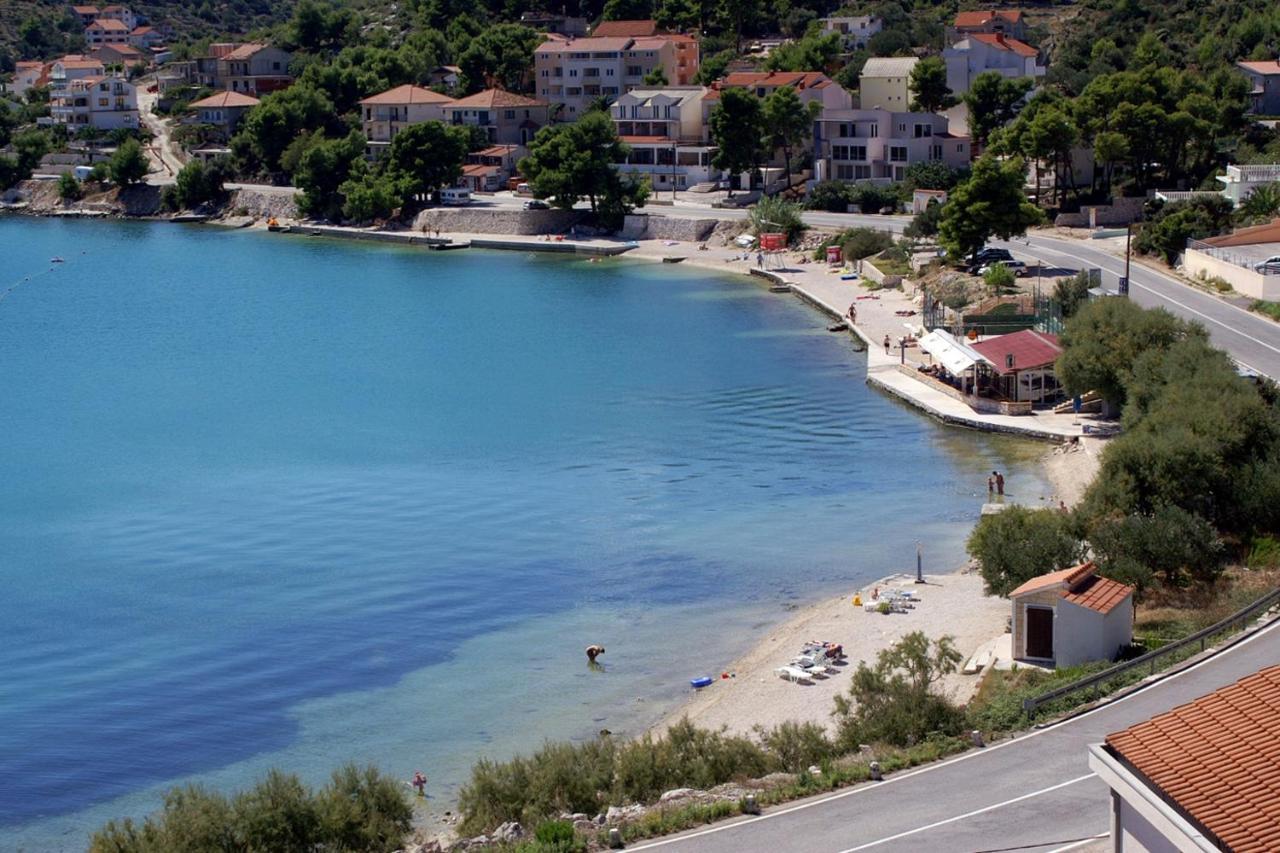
536 204
1270 265
1018 268
989 256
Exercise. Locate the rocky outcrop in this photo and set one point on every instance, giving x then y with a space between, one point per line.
260 204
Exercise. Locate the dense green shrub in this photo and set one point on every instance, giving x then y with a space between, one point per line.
1171 225
999 279
357 810
774 214
68 187
1019 543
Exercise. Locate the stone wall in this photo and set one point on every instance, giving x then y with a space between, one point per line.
469 220
983 405
1121 211
642 226
1044 598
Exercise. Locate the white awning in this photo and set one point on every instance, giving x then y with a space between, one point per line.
953 354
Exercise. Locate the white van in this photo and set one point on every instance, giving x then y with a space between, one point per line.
455 196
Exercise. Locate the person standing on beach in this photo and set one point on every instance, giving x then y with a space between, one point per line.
887 344
420 783
999 483
991 484
760 259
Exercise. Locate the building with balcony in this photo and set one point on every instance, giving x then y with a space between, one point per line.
70 68
667 137
104 103
884 83
106 31
489 169
854 31
574 72
124 55
123 14
981 52
223 110
878 145
386 114
508 118
809 86
86 15
1264 85
253 68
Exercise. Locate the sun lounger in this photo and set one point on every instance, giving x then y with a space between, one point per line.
794 674
814 666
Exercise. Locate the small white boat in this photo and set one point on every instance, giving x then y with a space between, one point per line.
56 261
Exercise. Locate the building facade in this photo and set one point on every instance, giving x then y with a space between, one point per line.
508 118
386 114
104 103
1264 86
1071 616
879 145
666 135
106 31
884 83
223 110
575 72
809 86
855 31
254 69
978 53
1009 22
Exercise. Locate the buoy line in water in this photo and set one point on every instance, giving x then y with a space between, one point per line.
26 279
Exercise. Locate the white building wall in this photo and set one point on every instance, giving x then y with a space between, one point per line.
1081 635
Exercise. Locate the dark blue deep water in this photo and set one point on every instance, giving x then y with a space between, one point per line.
279 501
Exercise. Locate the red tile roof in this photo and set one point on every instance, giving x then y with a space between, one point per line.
492 98
1002 42
798 80
224 100
1068 577
1218 759
245 51
585 45
1028 348
479 169
646 140
980 19
1097 593
407 94
625 28
497 150
1265 66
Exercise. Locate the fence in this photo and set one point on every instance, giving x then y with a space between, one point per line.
1236 620
1238 259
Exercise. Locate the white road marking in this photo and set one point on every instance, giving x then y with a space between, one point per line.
973 753
1082 842
967 815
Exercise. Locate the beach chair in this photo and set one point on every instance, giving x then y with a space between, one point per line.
794 674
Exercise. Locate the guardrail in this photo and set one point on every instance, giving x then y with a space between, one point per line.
1239 618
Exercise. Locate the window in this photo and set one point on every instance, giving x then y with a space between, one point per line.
509 114
873 129
559 71
573 72
591 72
935 153
840 152
608 72
897 154
862 173
635 71
902 128
923 130
857 152
844 173
275 66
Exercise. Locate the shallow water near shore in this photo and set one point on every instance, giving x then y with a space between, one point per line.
282 501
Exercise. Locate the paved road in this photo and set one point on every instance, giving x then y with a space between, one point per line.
1034 793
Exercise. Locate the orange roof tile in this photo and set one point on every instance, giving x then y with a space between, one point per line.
1028 348
224 100
1002 42
585 45
625 28
492 98
979 19
245 51
85 10
108 24
497 150
1218 759
1068 577
478 169
1265 66
407 94
1098 593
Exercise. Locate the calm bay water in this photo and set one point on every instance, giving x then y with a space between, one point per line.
278 501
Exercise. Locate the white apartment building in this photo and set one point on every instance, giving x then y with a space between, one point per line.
668 138
573 72
106 31
70 68
878 145
386 114
26 76
1240 181
981 52
855 31
105 103
884 83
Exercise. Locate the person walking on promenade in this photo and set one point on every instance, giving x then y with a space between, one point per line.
887 344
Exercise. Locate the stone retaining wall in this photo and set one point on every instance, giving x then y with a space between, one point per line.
1121 211
983 405
479 221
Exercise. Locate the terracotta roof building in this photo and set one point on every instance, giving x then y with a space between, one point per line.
1022 364
1203 776
507 118
574 72
1071 616
1264 85
224 110
1008 21
386 114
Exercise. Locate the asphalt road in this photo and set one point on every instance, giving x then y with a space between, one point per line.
1033 793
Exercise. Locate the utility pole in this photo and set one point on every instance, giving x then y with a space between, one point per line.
1124 282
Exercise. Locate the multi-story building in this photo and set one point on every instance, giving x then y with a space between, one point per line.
809 86
72 67
885 83
981 52
385 115
667 136
124 55
855 31
223 110
254 68
575 72
85 14
878 145
1008 22
105 103
508 118
489 169
106 31
123 14
145 37
1264 85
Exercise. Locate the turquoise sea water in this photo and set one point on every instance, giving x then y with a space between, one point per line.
279 501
